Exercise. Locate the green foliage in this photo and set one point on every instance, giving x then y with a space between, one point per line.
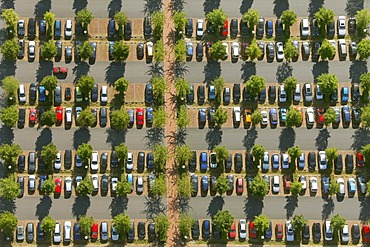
49 50
121 19
183 154
222 185
85 187
328 83
293 118
84 16
294 152
161 226
10 85
324 17
253 51
179 20
159 118
86 84
50 82
121 152
251 17
158 19
183 119
364 83
119 119
9 153
160 186
184 187
10 17
368 188
180 50
48 186
182 87
362 21
365 151
295 187
160 154
159 51
120 51
326 50
258 187
8 223
290 84
9 116
121 85
258 152
9 188
86 118
84 151
49 154
123 187
329 117
288 18
298 222
49 17
216 19
365 116
48 226
10 49
48 118
217 51
185 224
337 222
262 223
86 223
363 49
255 84
219 84
221 153
220 116
331 154
223 221
85 50
256 117
290 51
159 88
333 187
122 223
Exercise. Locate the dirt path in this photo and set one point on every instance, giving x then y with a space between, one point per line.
170 104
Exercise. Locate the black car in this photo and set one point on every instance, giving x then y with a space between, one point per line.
42 27
58 95
140 162
334 96
243 28
226 95
21 163
21 48
272 93
95 93
104 161
262 95
77 54
127 31
315 51
193 161
30 234
131 232
31 33
260 29
246 94
140 51
352 25
238 162
311 161
40 233
269 29
199 52
20 28
33 92
58 44
338 164
270 50
355 92
67 93
111 29
215 232
151 231
21 117
104 184
210 28
141 230
68 53
249 162
315 28
228 163
103 117
279 30
194 185
348 161
94 111
195 231
148 93
330 29
147 27
236 92
234 28
316 232
57 29
305 234
206 231
20 181
201 94
68 159
355 232
190 95
113 159
189 28
356 115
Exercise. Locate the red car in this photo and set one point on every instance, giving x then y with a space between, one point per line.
366 234
252 230
239 186
58 188
33 116
279 232
59 113
94 231
225 29
232 232
360 159
60 70
320 115
140 116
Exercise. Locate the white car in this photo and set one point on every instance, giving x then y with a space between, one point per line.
114 233
264 118
149 49
313 184
275 184
200 28
57 235
323 165
31 49
58 162
342 190
242 229
114 182
284 161
345 234
68 184
319 94
362 184
279 51
130 161
22 94
31 182
94 165
303 181
341 26
227 50
310 116
104 94
78 180
67 230
235 50
68 116
289 232
139 184
95 181
68 29
337 114
305 28
282 94
78 112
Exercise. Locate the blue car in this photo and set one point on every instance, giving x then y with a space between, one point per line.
325 185
131 113
149 116
346 114
268 233
273 116
203 162
42 94
148 93
76 232
42 180
275 160
211 92
344 94
149 161
204 184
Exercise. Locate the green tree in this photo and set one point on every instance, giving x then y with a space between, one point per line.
222 185
328 83
50 82
160 154
179 20
262 223
216 19
48 187
183 154
49 17
10 17
333 186
8 223
49 50
256 117
329 117
161 226
84 17
253 51
331 155
85 50
84 151
255 84
365 151
10 85
288 18
121 19
221 153
290 51
49 154
121 85
9 116
121 152
48 226
119 119
49 118
85 223
295 188
298 222
182 87
120 51
86 84
294 153
223 220
258 187
86 118
122 223
362 21
9 188
159 88
85 187
185 224
220 116
158 19
337 223
290 84
219 84
326 50
293 118
251 17
368 188
159 51
160 186
363 49
183 119
324 17
217 51
159 118
9 153
180 50
364 83
258 152
365 116
123 187
10 49
184 187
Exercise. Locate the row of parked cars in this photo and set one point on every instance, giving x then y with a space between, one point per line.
67 232
32 25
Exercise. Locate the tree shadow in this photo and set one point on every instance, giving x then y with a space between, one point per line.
180 69
7 205
181 137
184 206
81 135
353 6
41 7
151 6
3 38
45 137
80 206
79 5
212 70
210 5
280 6
116 137
248 69
360 137
245 6
114 6
118 205
253 207
7 68
154 136
43 208
319 68
250 138
114 71
82 68
286 139
291 205
322 139
155 69
177 5
314 6
364 214
153 207
214 137
283 71
44 69
215 205
7 4
6 135
327 209
356 69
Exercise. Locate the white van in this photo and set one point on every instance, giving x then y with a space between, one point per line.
68 29
95 181
236 114
67 231
94 161
56 236
68 113
149 49
21 94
